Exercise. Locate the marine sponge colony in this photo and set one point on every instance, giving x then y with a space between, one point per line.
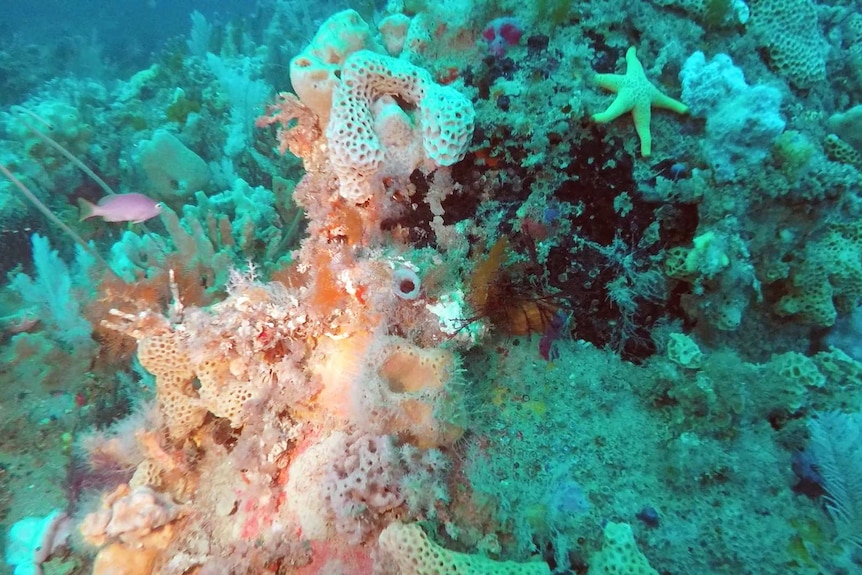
439 306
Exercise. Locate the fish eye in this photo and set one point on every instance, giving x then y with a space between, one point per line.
160 205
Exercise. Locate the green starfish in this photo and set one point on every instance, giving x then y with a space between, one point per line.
637 95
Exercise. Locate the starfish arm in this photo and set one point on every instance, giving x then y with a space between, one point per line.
610 82
633 65
659 100
618 107
641 116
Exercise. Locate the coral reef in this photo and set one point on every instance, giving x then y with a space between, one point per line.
413 303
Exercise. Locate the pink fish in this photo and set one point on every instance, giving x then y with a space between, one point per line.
135 208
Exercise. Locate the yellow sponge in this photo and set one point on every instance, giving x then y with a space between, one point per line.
620 554
415 554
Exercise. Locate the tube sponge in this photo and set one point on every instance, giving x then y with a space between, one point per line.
314 72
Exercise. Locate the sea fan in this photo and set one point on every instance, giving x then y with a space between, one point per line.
55 292
836 442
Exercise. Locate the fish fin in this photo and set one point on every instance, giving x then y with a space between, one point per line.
88 209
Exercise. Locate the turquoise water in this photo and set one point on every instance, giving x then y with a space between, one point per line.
415 288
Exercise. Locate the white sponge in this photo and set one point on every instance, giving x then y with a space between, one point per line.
444 122
33 539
